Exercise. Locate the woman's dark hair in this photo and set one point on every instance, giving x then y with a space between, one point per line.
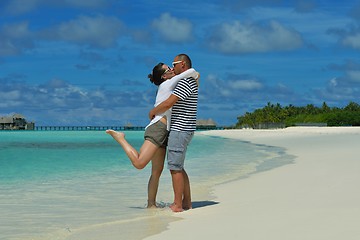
156 76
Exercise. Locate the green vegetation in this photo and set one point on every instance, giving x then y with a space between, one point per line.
276 115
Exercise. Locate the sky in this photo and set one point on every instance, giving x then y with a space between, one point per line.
85 62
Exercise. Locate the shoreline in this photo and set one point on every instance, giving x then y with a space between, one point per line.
254 159
316 198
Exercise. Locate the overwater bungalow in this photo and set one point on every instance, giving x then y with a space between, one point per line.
202 124
15 122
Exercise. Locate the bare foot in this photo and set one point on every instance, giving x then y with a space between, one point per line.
151 204
175 208
116 135
187 205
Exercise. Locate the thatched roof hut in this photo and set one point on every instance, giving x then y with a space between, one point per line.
205 124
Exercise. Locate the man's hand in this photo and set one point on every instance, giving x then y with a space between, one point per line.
162 107
151 114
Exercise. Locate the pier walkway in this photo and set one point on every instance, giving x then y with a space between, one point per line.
103 128
86 128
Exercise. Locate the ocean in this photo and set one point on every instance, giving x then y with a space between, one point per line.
80 184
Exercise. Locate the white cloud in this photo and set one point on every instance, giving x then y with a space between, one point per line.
10 95
249 37
7 48
333 82
215 88
17 31
86 3
100 31
50 99
14 38
354 75
340 89
21 6
305 6
226 92
312 33
352 41
244 4
246 85
173 29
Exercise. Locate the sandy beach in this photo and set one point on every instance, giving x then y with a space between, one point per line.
317 197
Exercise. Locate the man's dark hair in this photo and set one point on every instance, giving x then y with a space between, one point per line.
186 59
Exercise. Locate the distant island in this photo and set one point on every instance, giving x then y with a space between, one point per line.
276 116
15 122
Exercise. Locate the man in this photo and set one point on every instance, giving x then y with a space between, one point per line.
183 101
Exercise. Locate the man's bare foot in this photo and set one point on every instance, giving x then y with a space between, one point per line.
152 206
116 135
186 205
175 208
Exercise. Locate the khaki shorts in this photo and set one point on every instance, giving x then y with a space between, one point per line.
157 134
178 142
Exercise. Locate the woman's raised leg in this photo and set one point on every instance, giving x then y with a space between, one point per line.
138 159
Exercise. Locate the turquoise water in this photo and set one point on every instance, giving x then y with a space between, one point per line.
55 182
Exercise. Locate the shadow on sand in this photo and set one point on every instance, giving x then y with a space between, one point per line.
199 204
195 204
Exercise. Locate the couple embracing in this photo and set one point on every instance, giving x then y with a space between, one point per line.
172 125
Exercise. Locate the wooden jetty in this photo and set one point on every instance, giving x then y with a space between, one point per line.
103 128
88 128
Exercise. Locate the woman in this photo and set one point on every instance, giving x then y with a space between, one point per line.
156 132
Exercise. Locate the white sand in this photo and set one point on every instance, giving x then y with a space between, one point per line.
317 197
